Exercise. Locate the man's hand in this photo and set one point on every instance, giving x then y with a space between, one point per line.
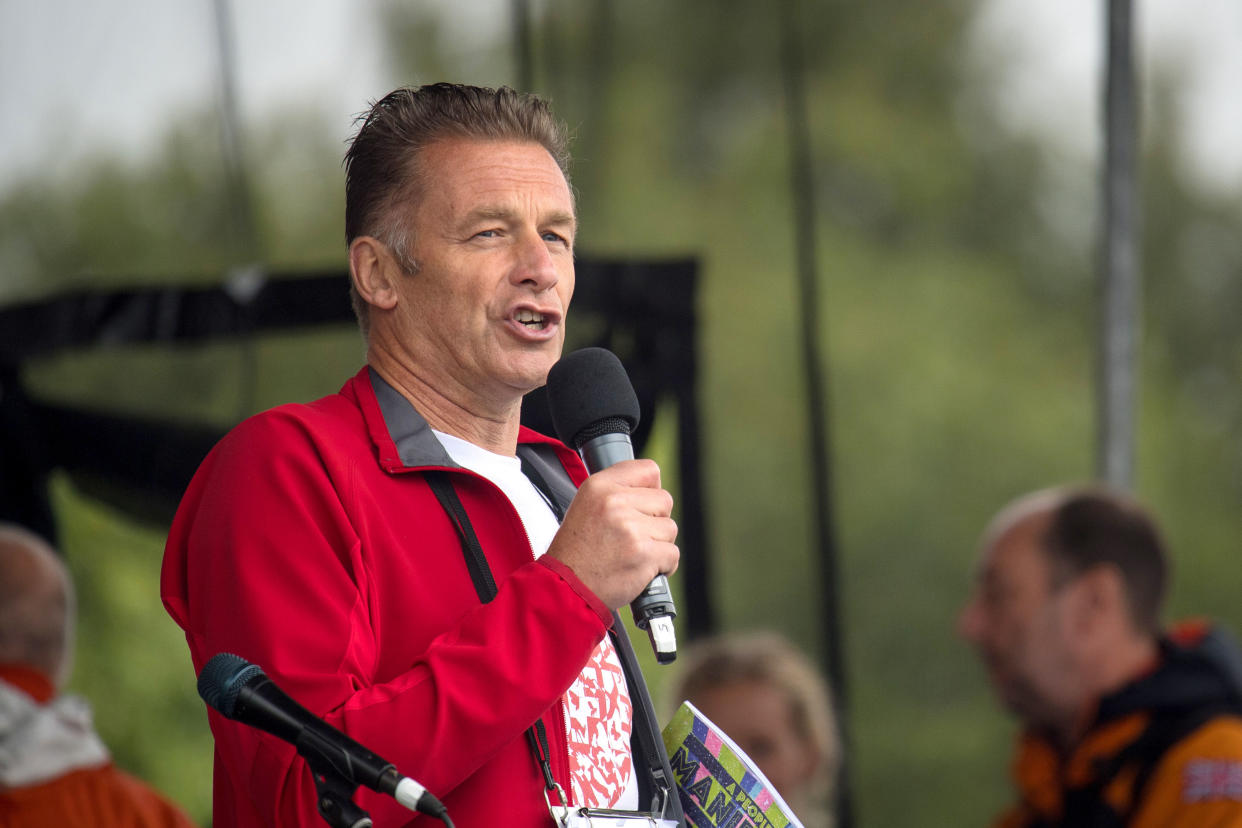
618 533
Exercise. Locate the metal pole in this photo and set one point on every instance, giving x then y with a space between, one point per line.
247 277
802 187
230 134
523 50
1121 280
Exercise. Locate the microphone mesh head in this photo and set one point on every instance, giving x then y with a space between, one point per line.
608 425
589 395
222 680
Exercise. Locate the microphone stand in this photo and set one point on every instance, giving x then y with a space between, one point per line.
335 798
335 793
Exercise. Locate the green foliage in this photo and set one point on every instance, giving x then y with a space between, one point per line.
957 312
131 660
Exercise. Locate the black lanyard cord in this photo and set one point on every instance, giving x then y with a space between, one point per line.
485 586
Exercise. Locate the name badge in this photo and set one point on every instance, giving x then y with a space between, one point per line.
601 818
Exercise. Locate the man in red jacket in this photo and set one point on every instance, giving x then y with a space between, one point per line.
319 542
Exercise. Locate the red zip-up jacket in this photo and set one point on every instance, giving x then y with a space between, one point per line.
310 544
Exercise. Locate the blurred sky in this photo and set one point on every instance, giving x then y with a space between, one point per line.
77 76
1051 82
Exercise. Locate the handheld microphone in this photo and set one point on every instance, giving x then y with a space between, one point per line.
241 691
594 409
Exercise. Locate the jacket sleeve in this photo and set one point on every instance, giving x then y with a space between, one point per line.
263 560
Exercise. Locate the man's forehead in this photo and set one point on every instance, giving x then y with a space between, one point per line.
454 156
1015 550
461 177
1038 504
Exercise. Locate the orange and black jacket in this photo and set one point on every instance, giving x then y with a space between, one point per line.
1165 750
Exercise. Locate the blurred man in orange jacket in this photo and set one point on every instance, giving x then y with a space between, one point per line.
1123 725
54 770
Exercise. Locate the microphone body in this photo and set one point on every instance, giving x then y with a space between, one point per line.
594 409
241 691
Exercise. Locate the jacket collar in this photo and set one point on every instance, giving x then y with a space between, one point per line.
413 439
34 682
45 741
1194 671
405 441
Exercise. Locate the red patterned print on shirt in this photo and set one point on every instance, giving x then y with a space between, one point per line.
600 719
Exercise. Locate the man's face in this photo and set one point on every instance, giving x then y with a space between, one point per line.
493 236
1020 625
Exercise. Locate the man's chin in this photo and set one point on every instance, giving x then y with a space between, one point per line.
1009 696
1026 709
531 370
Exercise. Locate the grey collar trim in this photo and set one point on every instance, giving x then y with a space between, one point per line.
416 444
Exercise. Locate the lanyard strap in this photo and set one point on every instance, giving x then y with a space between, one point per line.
476 561
541 485
537 735
485 586
660 784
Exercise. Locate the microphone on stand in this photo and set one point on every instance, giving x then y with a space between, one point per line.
241 691
594 410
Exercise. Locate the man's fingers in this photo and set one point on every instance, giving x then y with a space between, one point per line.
662 529
653 502
670 555
641 473
619 532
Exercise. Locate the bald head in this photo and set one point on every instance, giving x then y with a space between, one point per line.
1082 527
1067 602
36 604
1032 507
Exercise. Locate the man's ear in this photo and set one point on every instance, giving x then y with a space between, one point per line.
373 270
1101 595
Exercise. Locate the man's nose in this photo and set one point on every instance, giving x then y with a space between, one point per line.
969 621
535 266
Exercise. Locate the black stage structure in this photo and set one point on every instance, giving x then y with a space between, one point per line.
644 311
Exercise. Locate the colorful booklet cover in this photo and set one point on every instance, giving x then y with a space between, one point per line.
719 786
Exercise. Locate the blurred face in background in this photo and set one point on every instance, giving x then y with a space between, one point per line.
759 716
1020 623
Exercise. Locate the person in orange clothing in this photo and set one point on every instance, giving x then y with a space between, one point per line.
54 769
1123 724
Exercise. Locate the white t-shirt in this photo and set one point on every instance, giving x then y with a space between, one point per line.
599 714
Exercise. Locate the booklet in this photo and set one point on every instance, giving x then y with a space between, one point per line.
719 786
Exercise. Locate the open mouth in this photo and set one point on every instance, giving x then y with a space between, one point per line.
531 319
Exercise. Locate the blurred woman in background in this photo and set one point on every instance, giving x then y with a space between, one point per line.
768 697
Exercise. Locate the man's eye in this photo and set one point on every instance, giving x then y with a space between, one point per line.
554 237
487 234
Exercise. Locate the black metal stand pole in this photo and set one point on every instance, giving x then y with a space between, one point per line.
1121 281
